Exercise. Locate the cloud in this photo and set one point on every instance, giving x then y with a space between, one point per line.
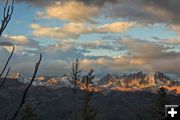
71 30
141 55
175 27
115 64
78 15
19 40
144 11
144 49
153 54
167 64
114 27
141 11
92 44
68 11
74 30
6 44
174 41
3 53
100 44
87 2
24 46
171 6
66 50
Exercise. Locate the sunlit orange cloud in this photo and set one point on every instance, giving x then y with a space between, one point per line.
74 30
115 27
20 39
175 27
71 11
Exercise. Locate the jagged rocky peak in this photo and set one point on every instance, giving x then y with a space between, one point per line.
109 77
139 79
65 76
41 78
53 81
15 76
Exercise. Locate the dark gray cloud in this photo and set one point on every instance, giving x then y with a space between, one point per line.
88 2
142 11
145 11
98 2
169 5
156 55
6 44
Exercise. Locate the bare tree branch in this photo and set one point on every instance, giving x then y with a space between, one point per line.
7 13
76 73
4 80
27 89
87 81
7 62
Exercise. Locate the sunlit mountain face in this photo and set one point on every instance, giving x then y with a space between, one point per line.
109 36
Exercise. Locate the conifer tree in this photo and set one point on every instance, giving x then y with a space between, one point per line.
28 114
157 109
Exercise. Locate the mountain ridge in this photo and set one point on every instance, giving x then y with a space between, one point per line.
150 81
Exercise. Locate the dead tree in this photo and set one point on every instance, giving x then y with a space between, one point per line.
75 78
88 112
7 62
87 81
27 89
75 74
4 79
7 13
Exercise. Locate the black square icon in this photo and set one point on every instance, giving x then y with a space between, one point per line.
172 112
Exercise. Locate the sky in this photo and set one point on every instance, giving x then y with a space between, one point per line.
110 36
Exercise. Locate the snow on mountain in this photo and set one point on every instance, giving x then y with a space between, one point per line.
136 80
128 82
15 76
49 81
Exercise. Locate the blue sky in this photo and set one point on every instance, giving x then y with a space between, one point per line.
117 35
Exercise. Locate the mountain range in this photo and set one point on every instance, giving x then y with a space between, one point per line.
150 81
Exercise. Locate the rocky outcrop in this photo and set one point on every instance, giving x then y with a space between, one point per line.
137 80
